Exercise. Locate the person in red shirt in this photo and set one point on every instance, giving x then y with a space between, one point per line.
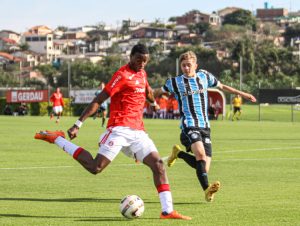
128 90
57 104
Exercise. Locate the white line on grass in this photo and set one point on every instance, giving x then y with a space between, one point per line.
256 159
253 159
36 167
260 149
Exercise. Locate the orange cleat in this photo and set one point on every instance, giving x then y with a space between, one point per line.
174 215
49 136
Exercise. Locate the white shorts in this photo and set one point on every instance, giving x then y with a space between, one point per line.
57 109
176 111
133 143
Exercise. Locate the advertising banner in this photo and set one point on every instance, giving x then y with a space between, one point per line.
82 96
26 96
279 96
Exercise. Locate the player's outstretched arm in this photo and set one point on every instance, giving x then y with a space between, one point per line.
230 89
151 98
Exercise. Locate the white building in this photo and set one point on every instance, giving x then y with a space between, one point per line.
41 40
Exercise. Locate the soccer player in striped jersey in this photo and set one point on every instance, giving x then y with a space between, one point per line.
190 90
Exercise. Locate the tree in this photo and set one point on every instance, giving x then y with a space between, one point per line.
24 46
173 19
226 32
62 28
244 48
157 23
108 66
198 28
48 72
241 17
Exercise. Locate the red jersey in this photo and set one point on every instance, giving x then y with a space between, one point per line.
127 92
56 99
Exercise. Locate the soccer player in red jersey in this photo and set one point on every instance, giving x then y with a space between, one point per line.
128 90
58 104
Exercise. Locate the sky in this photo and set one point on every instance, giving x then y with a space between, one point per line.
20 15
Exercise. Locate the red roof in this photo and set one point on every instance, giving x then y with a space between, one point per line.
8 40
10 57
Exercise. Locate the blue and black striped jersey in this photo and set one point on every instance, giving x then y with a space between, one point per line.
192 96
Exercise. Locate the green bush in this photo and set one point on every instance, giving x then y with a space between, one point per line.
43 108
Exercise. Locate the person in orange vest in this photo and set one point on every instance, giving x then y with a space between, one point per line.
162 102
169 108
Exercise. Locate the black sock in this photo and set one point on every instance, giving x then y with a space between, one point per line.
189 159
201 174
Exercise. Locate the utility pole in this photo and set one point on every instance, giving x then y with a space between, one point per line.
299 50
177 66
20 75
241 72
69 78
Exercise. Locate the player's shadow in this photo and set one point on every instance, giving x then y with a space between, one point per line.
95 219
63 200
176 203
90 200
65 217
253 139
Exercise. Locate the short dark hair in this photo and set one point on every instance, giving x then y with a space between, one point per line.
139 48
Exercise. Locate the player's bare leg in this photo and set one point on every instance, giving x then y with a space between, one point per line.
93 165
58 115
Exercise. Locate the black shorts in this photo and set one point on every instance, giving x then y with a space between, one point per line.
101 109
191 135
236 109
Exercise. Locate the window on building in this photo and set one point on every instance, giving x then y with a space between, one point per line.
43 39
49 38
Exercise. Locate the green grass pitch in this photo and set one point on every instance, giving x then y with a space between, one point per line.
258 164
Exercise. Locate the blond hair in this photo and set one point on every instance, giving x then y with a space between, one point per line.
188 55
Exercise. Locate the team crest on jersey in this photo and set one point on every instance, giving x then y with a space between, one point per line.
110 143
194 136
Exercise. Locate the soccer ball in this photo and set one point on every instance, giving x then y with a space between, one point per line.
132 206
